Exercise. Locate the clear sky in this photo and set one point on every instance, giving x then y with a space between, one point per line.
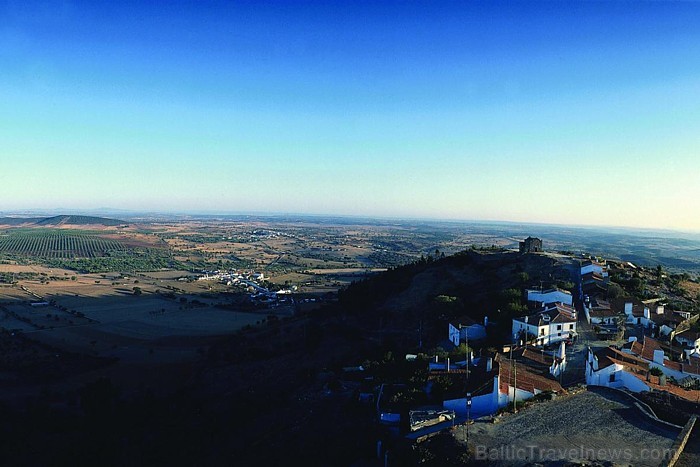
558 112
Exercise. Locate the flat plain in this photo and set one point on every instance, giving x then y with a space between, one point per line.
127 290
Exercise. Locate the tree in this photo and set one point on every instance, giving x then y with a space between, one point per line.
566 285
659 271
137 291
461 351
523 278
615 291
447 306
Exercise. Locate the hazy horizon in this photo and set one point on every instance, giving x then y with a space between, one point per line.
564 113
109 212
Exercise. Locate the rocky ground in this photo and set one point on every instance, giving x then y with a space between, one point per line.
590 426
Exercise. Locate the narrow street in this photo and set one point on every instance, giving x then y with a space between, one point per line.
576 353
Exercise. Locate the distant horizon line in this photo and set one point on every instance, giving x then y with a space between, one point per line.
50 212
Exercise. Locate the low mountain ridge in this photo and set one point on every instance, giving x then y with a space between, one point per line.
62 220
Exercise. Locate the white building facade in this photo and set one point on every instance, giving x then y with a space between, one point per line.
550 296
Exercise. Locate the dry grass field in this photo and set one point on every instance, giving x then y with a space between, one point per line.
10 293
35 268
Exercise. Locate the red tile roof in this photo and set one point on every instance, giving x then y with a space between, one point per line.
692 395
610 355
646 351
618 304
592 276
646 348
557 312
667 316
690 335
512 372
692 367
598 312
537 356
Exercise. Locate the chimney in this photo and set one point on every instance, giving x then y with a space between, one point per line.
526 320
489 364
562 351
486 321
495 392
448 364
660 310
628 308
659 357
647 313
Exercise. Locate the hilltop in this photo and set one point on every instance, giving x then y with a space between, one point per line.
60 221
472 283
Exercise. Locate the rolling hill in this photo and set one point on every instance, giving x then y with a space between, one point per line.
58 221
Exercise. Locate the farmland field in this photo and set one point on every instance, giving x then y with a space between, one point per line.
55 243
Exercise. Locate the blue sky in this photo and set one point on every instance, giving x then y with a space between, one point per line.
559 112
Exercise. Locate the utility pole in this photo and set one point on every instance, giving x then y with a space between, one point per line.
510 377
515 388
469 406
466 353
469 394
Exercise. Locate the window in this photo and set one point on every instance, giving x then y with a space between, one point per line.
542 332
559 335
558 327
571 326
612 377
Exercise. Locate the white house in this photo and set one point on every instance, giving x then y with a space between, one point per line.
550 296
554 323
258 276
593 267
690 339
600 313
538 359
461 329
632 309
658 317
683 314
651 351
500 382
612 368
485 398
558 361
